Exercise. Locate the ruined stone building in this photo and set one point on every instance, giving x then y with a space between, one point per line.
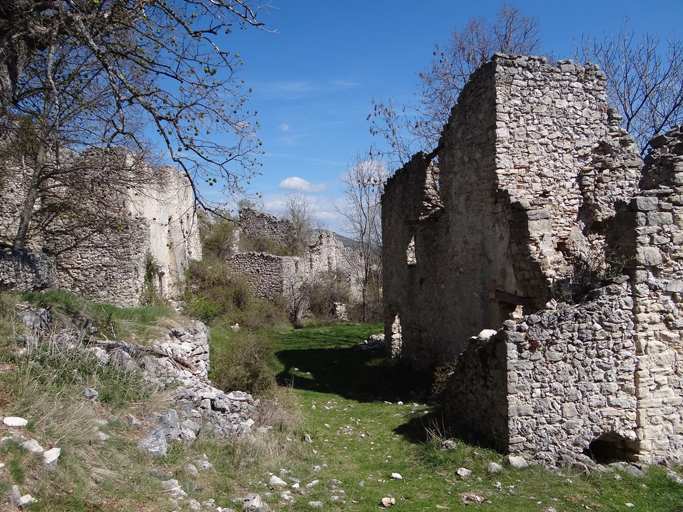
272 275
104 256
534 176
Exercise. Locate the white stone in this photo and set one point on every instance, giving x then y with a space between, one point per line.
27 499
516 461
486 334
396 476
32 446
51 455
464 472
276 481
14 421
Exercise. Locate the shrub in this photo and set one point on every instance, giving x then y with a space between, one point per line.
588 274
241 359
214 292
323 292
217 238
151 294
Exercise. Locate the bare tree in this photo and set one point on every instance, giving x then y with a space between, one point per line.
302 224
417 127
88 74
363 185
644 79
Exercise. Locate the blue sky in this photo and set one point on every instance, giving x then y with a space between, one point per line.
314 79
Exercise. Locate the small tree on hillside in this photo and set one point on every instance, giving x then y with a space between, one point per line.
363 185
302 225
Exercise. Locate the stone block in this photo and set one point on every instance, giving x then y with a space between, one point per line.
644 204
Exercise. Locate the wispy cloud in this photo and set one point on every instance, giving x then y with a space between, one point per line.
293 89
284 127
296 183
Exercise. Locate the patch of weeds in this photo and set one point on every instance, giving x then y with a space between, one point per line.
16 470
60 301
241 359
50 369
589 273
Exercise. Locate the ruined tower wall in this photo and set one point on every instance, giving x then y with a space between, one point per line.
567 378
99 249
530 167
657 228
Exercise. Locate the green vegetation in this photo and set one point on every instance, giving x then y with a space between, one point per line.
132 324
345 399
363 435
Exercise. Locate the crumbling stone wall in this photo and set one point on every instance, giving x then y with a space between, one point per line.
565 378
104 257
105 264
272 276
256 224
603 377
269 274
651 230
530 168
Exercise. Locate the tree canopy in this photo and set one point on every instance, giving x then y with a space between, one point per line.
104 73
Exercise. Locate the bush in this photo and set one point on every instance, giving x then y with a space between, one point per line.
214 292
217 238
589 273
241 360
321 294
374 306
151 294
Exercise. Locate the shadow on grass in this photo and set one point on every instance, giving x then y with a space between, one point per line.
323 359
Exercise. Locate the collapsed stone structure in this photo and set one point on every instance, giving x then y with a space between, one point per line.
107 257
272 276
534 176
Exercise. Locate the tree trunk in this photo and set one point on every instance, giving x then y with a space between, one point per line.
29 204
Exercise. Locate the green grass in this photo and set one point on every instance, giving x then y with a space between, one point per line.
361 438
346 400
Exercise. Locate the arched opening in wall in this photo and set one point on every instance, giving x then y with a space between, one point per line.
410 252
611 447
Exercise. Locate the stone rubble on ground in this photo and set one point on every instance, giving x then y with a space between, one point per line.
374 343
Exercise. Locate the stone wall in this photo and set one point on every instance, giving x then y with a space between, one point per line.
99 248
531 165
268 274
651 231
272 276
256 225
26 270
536 180
564 378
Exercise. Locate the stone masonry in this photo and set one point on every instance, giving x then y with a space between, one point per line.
271 276
105 259
535 176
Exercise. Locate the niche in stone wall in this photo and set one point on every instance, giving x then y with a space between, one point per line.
611 447
410 252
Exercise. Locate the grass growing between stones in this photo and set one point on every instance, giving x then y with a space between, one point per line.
361 439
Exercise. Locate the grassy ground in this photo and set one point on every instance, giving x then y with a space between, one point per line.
362 440
346 400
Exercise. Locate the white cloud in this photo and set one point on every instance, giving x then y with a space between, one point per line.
284 127
296 183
